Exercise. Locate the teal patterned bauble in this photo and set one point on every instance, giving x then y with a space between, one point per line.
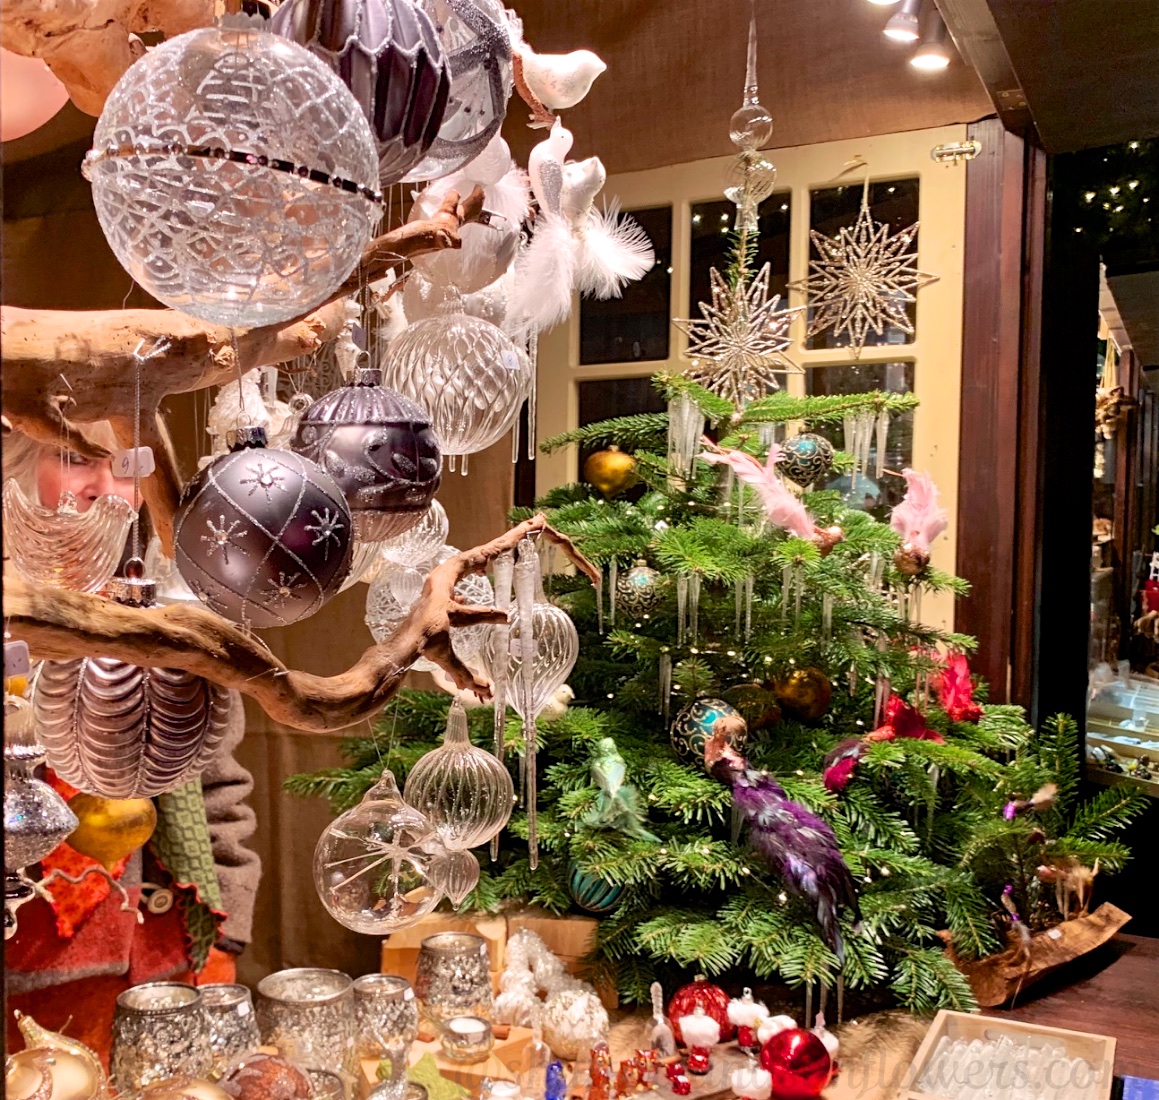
593 893
638 590
692 728
807 459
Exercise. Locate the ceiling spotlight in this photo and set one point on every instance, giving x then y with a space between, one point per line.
903 24
933 54
883 3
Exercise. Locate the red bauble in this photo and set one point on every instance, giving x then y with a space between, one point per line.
710 997
799 1064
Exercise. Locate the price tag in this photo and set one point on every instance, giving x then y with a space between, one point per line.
16 662
510 360
1055 934
136 460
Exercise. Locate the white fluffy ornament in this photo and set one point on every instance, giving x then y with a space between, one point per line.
751 1082
699 1029
774 1026
746 1012
574 1020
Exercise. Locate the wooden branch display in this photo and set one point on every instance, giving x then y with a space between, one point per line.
62 369
60 625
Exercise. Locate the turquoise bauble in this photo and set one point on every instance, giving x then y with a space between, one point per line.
692 728
638 590
807 459
593 893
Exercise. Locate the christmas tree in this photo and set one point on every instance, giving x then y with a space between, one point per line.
768 620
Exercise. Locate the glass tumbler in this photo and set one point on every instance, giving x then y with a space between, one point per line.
233 1026
453 977
308 1014
388 1021
160 1030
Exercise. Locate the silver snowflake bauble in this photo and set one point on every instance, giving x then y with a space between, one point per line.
862 280
465 792
263 537
379 448
737 345
373 864
36 820
234 176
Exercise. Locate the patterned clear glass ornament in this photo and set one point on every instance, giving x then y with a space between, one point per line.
234 176
422 299
365 564
457 874
373 864
63 547
465 792
477 45
467 373
422 542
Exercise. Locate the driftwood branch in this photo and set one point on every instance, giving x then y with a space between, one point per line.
63 369
540 115
60 625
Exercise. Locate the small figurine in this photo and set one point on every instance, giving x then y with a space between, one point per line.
627 1077
701 1033
601 1073
746 1014
556 1082
678 1079
645 1069
662 1038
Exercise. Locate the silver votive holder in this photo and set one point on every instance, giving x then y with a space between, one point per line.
453 977
233 1024
160 1031
325 1085
308 1014
388 1022
467 1039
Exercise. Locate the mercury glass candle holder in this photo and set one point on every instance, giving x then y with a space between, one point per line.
308 1014
453 977
467 1039
233 1025
325 1085
388 1021
160 1030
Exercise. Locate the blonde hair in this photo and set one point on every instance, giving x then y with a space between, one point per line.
22 454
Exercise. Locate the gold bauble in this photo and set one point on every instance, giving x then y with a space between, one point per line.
40 1038
49 1074
610 471
757 705
111 828
183 1088
805 693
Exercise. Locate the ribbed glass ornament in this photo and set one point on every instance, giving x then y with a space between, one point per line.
422 542
464 791
457 874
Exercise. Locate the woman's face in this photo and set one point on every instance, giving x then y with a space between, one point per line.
85 478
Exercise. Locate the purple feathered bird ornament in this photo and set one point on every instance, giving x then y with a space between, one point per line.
795 843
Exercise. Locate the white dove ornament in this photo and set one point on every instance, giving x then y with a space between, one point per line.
545 167
560 80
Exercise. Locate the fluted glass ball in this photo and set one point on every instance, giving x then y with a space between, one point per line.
750 127
373 864
466 373
234 176
122 731
421 542
749 177
556 647
457 874
388 54
262 536
379 448
464 791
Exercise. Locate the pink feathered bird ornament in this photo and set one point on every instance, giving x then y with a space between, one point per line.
782 507
919 519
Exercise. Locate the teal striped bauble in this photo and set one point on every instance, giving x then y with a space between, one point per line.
593 893
692 728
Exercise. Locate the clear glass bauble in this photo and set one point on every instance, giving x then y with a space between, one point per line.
379 448
63 547
555 646
464 791
749 178
388 54
751 126
457 874
124 731
421 542
373 864
467 373
485 255
422 299
477 44
263 536
213 169
365 564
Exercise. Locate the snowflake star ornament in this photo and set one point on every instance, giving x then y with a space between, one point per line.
862 280
737 346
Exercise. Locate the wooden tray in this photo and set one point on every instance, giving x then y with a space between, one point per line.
1098 1050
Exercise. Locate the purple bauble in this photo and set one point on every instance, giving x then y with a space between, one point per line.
263 536
379 448
388 54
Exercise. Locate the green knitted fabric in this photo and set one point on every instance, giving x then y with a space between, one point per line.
425 1072
182 845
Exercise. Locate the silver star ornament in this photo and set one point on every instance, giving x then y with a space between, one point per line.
736 347
862 280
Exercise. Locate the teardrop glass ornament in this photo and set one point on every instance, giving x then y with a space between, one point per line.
63 547
457 874
465 792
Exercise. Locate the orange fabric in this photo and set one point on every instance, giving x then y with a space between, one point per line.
221 966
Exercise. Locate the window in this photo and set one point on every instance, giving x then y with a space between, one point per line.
634 326
833 209
711 223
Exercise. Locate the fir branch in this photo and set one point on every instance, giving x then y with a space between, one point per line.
1109 812
925 980
782 406
685 937
649 430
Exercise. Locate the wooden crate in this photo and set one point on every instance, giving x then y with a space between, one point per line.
400 951
1098 1050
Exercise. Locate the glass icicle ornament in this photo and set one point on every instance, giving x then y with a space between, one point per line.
613 585
685 428
503 571
63 547
751 125
467 373
234 176
373 865
464 791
